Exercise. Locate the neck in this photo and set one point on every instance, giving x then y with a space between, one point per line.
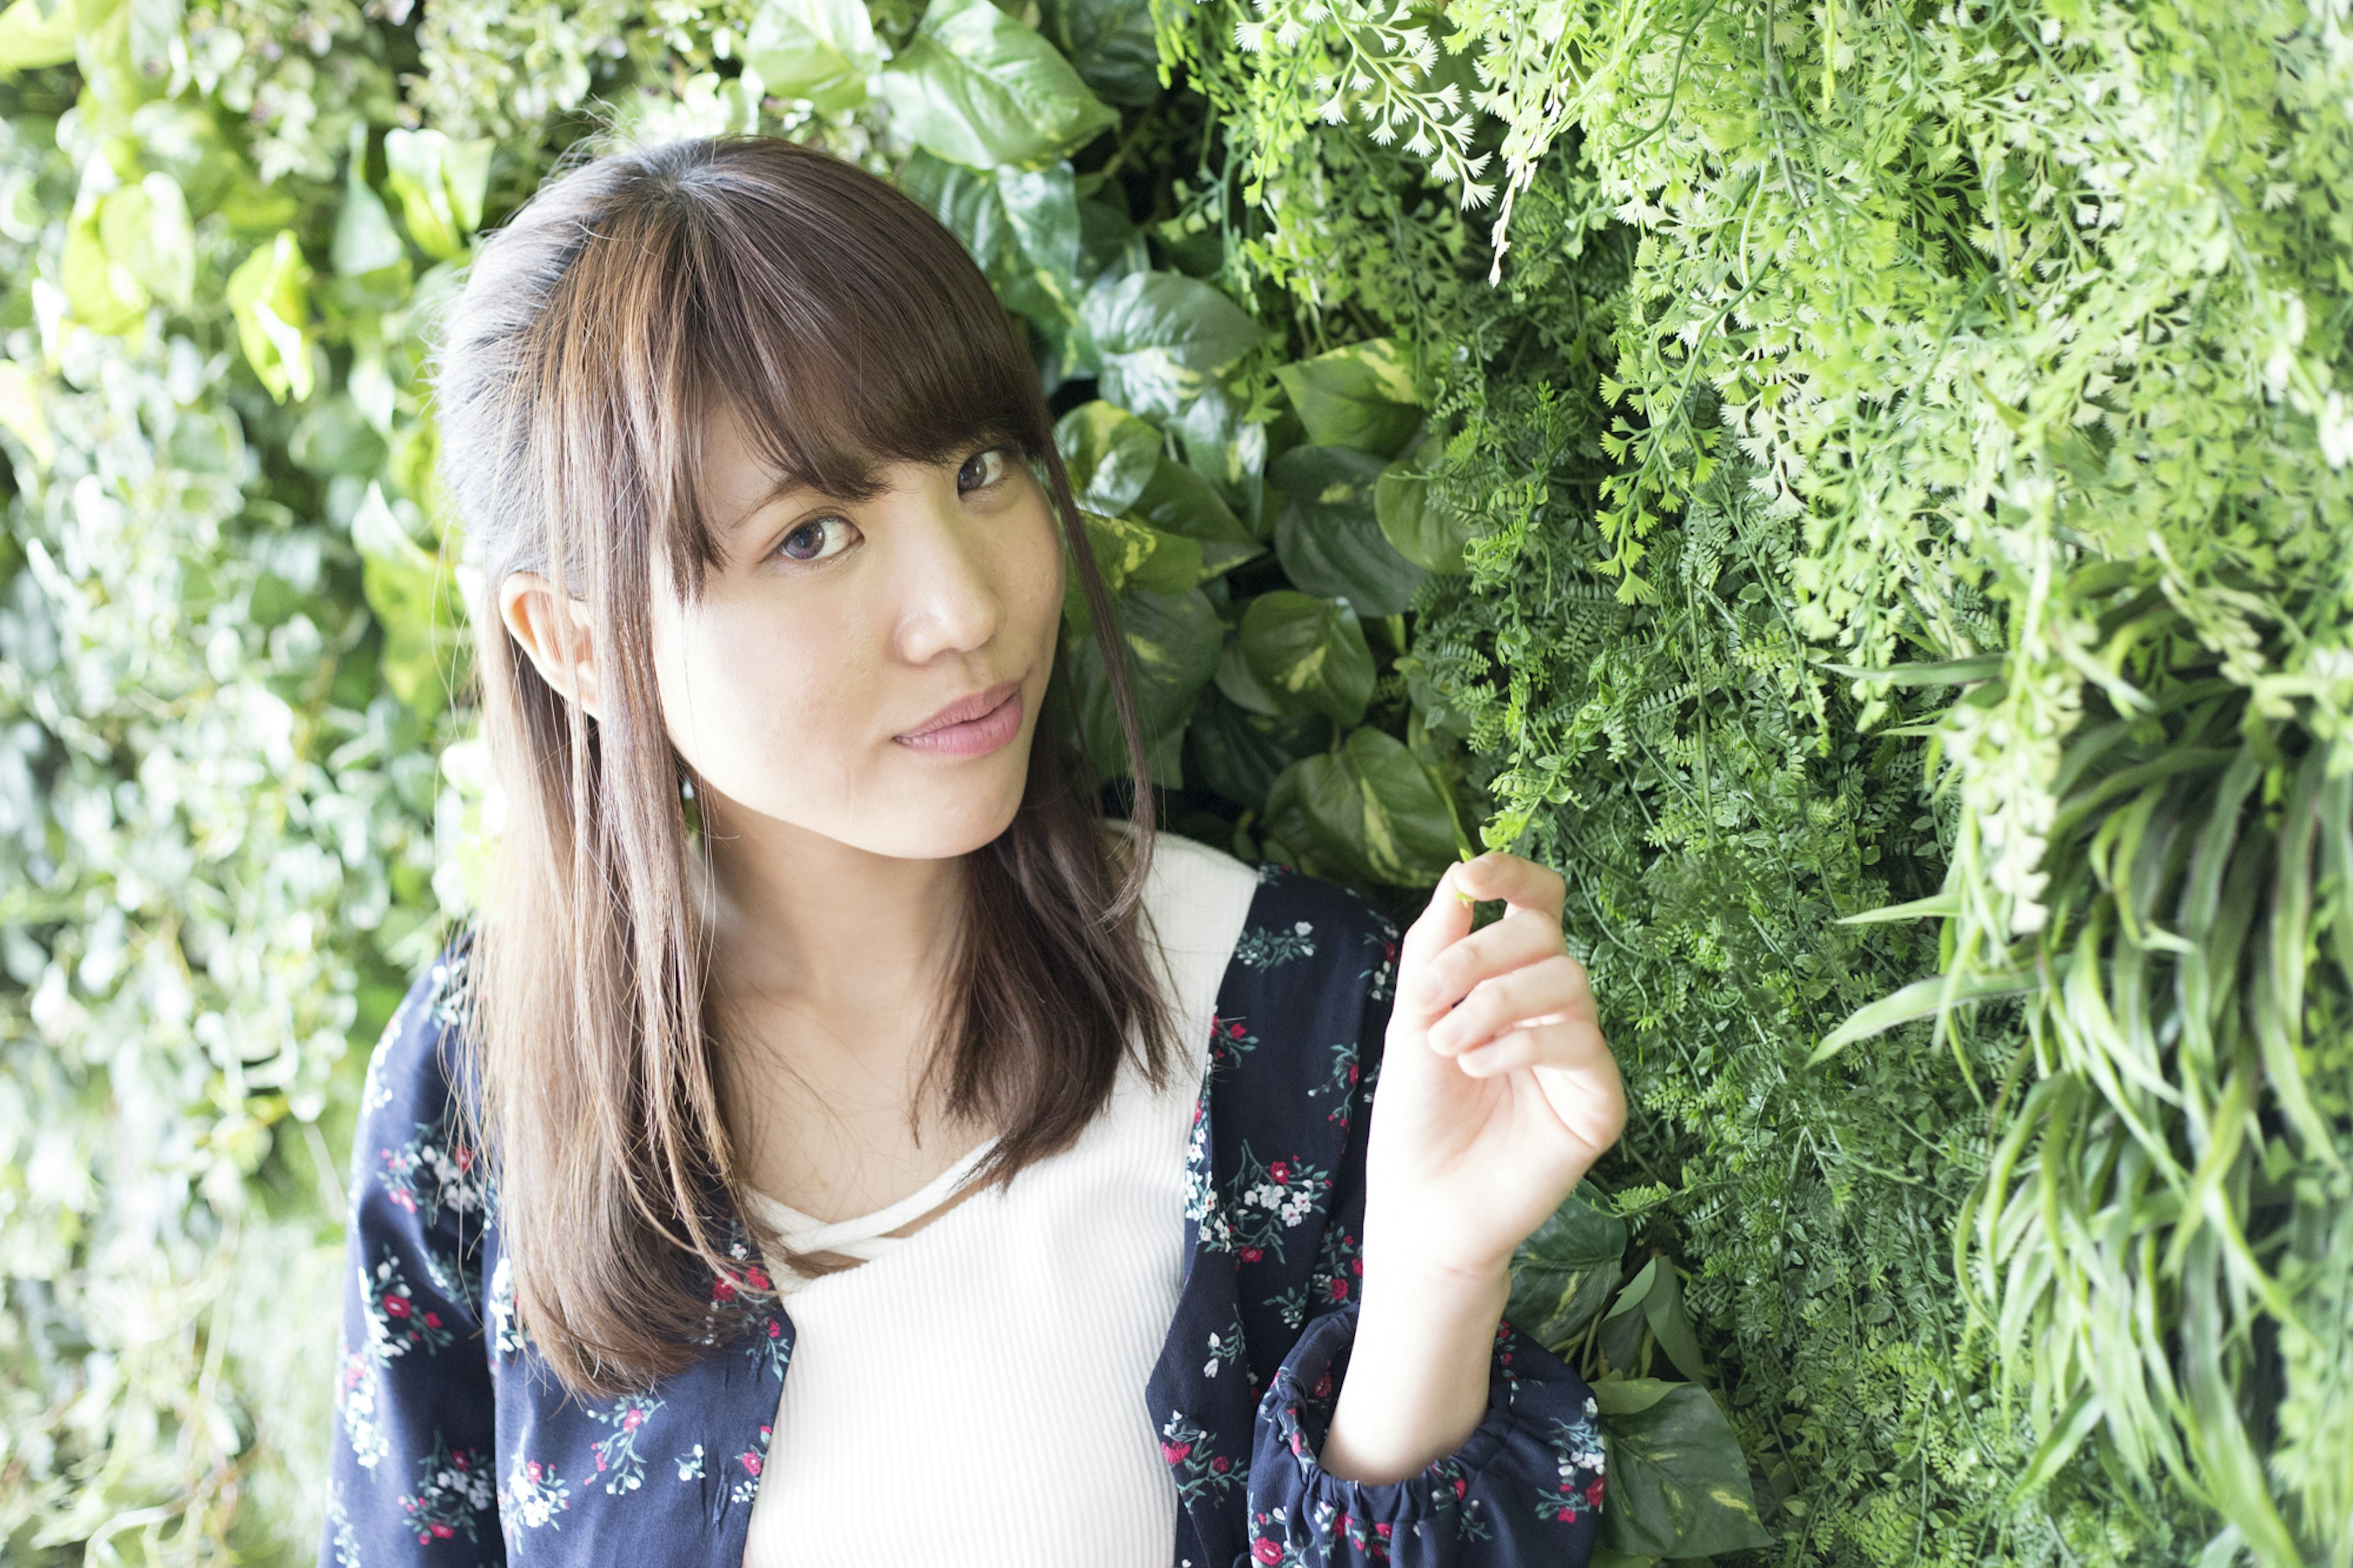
797 918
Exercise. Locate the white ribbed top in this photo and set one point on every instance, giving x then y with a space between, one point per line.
975 1394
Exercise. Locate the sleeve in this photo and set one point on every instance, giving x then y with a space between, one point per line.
411 1466
1523 1489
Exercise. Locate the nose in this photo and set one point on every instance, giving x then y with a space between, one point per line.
950 600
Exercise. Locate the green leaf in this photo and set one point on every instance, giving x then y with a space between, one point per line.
440 184
364 239
819 51
1181 501
1132 554
1678 1484
1163 337
1239 753
1110 455
1173 642
413 599
1367 812
1109 44
977 88
101 292
269 295
1328 536
1562 1273
1432 537
336 439
1308 655
31 36
145 229
20 412
1361 396
1920 999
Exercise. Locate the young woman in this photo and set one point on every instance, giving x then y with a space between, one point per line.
837 1143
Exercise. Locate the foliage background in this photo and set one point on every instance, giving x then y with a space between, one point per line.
1778 463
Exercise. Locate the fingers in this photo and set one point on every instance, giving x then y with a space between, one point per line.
1440 925
1521 883
1570 1044
1521 937
1550 986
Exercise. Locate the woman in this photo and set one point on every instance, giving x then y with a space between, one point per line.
838 1144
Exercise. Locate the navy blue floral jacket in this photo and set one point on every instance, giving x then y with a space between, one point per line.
451 1449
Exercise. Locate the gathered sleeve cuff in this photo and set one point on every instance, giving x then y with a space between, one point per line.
1523 1489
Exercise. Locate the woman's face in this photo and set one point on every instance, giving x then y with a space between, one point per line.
809 683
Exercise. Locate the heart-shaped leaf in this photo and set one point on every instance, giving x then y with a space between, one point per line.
1562 1274
1361 396
1367 813
975 87
1308 655
1328 536
1678 1484
820 51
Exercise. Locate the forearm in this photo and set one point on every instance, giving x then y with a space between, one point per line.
1416 1385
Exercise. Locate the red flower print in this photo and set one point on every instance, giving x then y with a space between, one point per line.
530 1468
1339 1289
756 1279
443 1531
1461 1486
1266 1551
1356 1266
1252 1254
1593 1492
633 1420
776 1330
1176 1453
458 1460
395 1307
432 1319
1380 1530
1323 1386
1221 1464
1279 1170
600 1461
463 1156
751 1462
1566 1514
723 1289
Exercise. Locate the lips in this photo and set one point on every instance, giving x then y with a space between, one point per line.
970 726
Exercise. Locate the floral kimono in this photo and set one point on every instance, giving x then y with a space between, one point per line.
450 1449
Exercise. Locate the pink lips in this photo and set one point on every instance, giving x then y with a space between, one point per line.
974 727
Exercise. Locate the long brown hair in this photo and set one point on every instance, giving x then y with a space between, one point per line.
846 328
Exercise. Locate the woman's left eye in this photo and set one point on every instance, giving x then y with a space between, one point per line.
981 469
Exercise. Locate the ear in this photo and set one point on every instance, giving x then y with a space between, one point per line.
556 638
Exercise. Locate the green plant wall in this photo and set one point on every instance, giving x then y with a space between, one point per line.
1859 489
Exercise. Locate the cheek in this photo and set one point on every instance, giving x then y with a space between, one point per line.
748 695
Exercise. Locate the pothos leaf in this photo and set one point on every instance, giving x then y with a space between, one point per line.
1173 642
1361 396
1562 1273
1109 44
1239 753
269 295
1678 1484
977 88
1163 338
1327 535
820 51
440 184
1429 535
1308 655
1367 812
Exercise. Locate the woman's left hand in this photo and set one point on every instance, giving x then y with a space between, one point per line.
1496 1090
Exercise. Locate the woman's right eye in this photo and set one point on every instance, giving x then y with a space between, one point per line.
807 542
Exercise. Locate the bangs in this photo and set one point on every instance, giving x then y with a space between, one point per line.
843 325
